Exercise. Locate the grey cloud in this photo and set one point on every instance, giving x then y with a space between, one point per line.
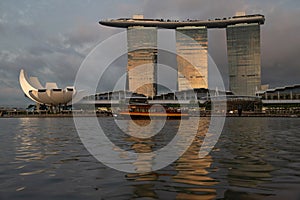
280 38
83 34
40 50
192 8
53 39
280 47
47 57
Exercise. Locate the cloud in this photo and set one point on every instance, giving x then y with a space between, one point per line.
50 40
51 58
281 46
198 9
280 38
10 97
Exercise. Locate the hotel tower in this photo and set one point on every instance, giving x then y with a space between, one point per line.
243 50
192 63
244 65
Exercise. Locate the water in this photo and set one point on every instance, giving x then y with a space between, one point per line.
255 158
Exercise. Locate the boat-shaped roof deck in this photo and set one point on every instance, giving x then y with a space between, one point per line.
173 24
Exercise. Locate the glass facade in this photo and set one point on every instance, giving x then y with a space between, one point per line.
243 49
191 46
142 60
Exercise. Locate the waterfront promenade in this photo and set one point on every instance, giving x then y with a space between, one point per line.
109 114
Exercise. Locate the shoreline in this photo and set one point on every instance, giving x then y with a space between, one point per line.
57 115
70 115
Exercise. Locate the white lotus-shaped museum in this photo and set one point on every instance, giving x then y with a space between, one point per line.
49 95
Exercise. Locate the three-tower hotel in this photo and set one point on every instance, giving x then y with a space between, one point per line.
243 50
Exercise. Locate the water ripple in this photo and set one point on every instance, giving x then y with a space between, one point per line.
255 158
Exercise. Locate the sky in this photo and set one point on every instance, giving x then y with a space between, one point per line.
51 38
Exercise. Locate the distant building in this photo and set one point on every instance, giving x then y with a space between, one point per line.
142 60
107 99
283 100
281 94
243 46
192 57
49 95
244 62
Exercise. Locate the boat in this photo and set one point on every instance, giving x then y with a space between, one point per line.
139 108
151 112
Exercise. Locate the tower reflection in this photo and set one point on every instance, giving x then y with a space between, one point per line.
193 172
190 176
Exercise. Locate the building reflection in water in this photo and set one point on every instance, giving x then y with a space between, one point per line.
28 146
189 177
194 172
145 186
35 142
141 146
246 147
